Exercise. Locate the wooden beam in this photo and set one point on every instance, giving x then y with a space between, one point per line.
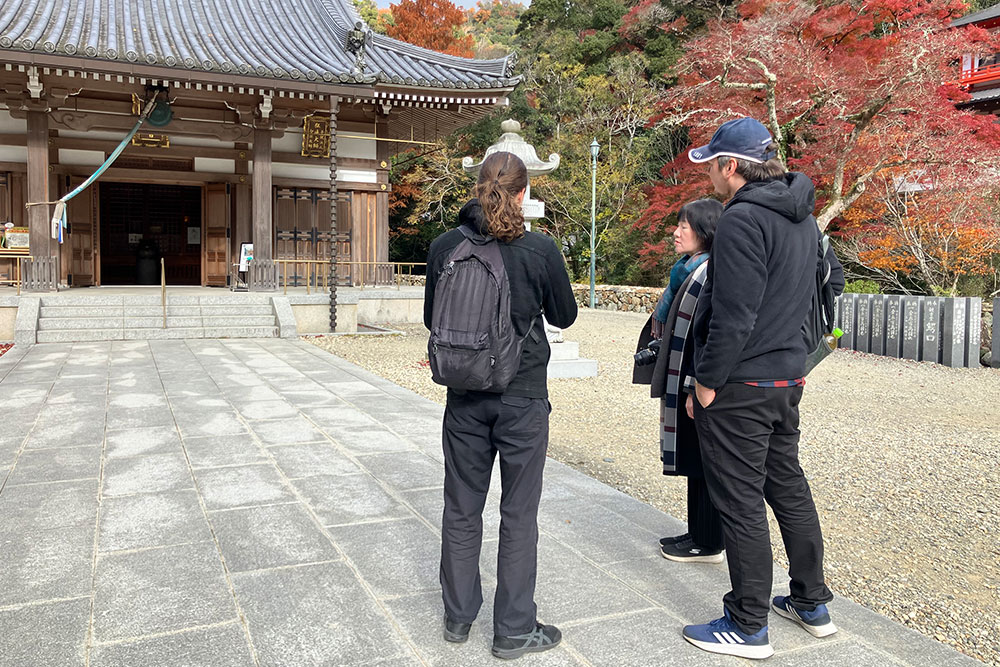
83 121
38 182
178 151
261 197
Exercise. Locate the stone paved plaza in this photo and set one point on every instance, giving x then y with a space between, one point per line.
260 502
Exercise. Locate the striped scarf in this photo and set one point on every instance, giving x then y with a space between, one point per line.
678 333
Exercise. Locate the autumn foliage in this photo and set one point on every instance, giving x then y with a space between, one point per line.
855 94
432 24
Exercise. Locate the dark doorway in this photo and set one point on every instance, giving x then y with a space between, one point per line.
141 222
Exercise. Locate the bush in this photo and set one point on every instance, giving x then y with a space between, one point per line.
862 287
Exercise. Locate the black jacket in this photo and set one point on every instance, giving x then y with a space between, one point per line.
760 282
538 284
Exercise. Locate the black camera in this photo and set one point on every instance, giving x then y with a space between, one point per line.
648 356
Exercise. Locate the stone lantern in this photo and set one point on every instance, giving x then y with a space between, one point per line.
511 141
565 360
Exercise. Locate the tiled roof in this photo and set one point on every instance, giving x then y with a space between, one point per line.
982 15
306 40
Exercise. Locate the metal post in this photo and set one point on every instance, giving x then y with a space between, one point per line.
163 290
594 148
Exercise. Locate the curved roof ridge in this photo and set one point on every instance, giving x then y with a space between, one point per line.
344 10
273 39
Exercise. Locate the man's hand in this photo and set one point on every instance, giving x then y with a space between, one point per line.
689 404
705 395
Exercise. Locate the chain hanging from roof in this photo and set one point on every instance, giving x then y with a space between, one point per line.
316 136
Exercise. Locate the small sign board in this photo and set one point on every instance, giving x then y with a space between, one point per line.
246 255
16 238
194 235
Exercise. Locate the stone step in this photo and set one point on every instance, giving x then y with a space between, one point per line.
87 300
79 335
150 333
212 320
80 311
241 332
221 299
73 298
176 322
153 311
79 323
565 351
243 309
572 368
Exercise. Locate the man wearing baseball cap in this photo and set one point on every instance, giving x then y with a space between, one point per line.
749 362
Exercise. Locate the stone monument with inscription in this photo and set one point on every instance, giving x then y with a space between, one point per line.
878 324
930 341
953 334
565 361
846 319
862 336
912 317
893 326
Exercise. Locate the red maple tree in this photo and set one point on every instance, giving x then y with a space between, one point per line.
850 91
432 24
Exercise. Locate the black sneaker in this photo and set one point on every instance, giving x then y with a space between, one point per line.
689 552
664 541
454 631
542 638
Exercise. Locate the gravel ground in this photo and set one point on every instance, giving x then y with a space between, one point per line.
901 456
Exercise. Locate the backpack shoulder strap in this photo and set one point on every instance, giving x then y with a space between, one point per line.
478 239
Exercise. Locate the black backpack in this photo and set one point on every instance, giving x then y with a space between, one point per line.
473 345
818 328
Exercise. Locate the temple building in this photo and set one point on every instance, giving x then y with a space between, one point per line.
272 123
980 76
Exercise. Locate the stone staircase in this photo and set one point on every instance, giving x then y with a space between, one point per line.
64 318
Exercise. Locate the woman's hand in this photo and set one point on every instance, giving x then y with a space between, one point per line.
689 404
657 329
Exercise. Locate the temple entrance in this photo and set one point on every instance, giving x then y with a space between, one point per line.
141 222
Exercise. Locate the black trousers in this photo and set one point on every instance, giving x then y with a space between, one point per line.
704 522
750 450
477 427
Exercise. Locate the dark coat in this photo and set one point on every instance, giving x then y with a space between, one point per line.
760 285
688 461
539 283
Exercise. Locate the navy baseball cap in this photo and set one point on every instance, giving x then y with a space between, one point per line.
743 138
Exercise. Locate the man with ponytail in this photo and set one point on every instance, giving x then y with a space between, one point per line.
511 420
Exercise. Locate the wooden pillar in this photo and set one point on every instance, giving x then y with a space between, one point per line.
334 201
382 196
263 230
38 183
242 227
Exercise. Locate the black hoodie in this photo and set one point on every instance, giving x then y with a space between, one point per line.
748 324
538 282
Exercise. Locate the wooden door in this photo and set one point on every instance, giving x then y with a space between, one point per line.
364 239
81 217
216 234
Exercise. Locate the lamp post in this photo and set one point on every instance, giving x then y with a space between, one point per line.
595 148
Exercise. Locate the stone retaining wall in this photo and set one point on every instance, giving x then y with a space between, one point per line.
618 297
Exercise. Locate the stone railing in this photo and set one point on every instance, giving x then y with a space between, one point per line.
943 330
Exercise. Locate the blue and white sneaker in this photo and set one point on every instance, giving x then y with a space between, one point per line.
723 636
816 622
